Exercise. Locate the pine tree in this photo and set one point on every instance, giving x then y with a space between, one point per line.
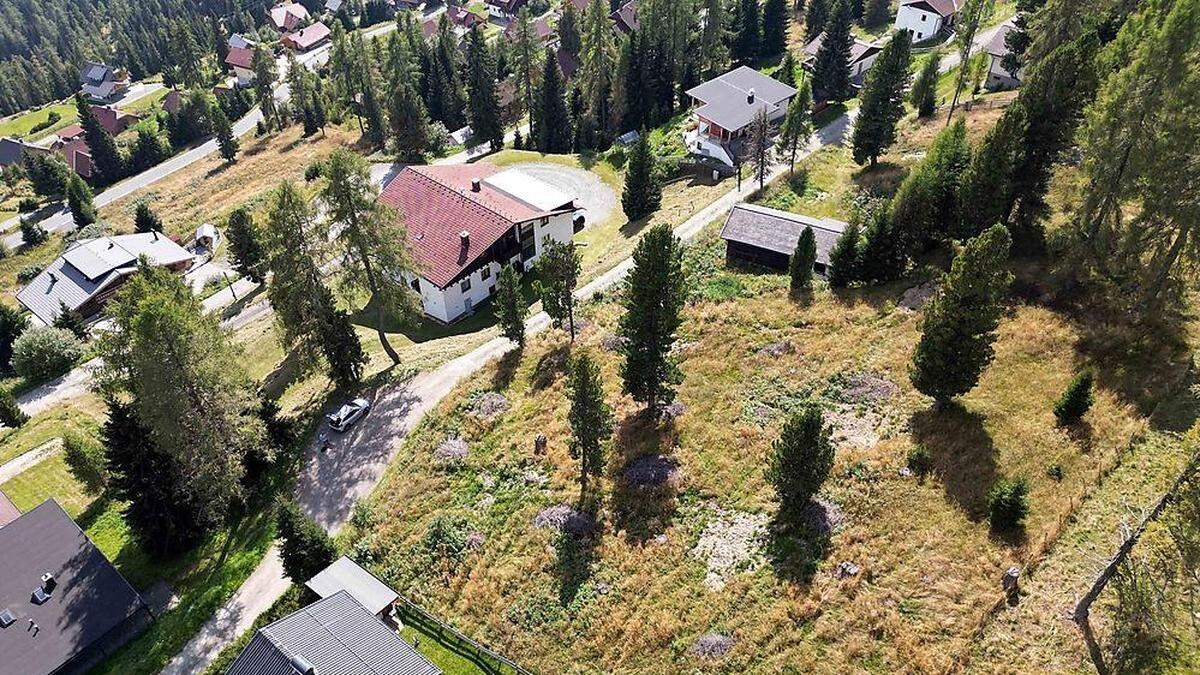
558 273
877 13
747 39
145 219
226 142
525 55
598 67
831 76
149 150
1018 39
881 256
32 232
803 258
264 85
843 258
797 126
713 48
882 100
590 418
1076 400
924 90
800 462
787 69
959 325
553 122
642 194
106 157
987 182
13 322
815 18
11 414
483 107
304 548
374 122
926 205
568 30
245 244
653 299
72 320
970 18
775 22
79 201
509 305
759 147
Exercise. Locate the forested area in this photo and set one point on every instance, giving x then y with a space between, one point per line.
43 43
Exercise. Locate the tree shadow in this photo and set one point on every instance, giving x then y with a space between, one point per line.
645 480
1081 434
218 170
550 366
506 369
880 180
801 296
288 372
575 555
796 547
237 306
962 453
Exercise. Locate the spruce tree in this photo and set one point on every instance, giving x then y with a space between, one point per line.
759 147
747 39
775 22
245 244
843 258
923 95
831 76
72 320
145 219
568 30
800 462
13 322
553 122
987 182
265 75
787 69
815 18
509 305
926 205
11 414
525 55
79 201
882 256
877 13
340 344
713 47
590 418
32 232
797 126
642 194
304 548
483 107
106 157
803 258
655 292
558 273
959 324
882 100
1076 400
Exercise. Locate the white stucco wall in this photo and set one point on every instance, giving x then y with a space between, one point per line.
245 78
998 77
923 25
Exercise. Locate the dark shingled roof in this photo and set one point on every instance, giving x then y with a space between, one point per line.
335 635
87 606
775 230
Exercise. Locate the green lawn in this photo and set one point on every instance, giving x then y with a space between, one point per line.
82 413
19 126
48 478
147 102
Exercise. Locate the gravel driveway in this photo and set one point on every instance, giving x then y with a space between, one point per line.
592 194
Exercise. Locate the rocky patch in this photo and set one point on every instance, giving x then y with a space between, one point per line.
824 516
451 452
777 349
869 388
853 427
612 343
565 519
732 543
489 406
652 471
916 297
712 645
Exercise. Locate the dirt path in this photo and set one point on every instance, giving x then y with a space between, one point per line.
14 467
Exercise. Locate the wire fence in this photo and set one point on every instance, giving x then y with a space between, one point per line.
482 656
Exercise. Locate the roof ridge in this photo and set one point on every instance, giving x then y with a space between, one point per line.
467 199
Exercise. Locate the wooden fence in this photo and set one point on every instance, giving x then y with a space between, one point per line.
482 656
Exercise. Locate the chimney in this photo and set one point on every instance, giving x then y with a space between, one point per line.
750 96
48 582
465 238
111 244
475 185
155 233
53 277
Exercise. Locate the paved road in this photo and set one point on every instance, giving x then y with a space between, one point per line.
331 482
951 60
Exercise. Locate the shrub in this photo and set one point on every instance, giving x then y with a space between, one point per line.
1008 503
27 205
10 412
33 234
305 548
314 170
1055 471
27 273
50 121
43 353
920 461
86 461
800 460
1076 400
446 540
439 138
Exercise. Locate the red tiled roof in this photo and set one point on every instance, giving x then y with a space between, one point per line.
173 101
308 36
113 120
943 8
240 57
436 204
464 17
8 511
78 156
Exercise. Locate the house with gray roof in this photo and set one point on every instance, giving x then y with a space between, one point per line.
102 82
764 236
997 49
725 107
333 635
63 606
346 575
88 273
12 150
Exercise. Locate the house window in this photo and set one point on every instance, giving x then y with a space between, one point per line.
922 17
465 285
416 284
486 272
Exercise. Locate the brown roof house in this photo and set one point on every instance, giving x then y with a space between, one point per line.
767 237
466 222
306 38
725 107
63 606
624 18
85 277
241 61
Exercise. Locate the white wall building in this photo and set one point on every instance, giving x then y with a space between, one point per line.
925 18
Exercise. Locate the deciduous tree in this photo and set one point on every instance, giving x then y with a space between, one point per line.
304 548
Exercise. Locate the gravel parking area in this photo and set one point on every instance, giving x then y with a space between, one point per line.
595 197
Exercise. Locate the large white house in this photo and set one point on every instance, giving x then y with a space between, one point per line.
466 222
925 18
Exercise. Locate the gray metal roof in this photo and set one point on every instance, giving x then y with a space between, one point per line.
92 265
12 151
96 73
336 636
345 575
89 600
778 231
726 98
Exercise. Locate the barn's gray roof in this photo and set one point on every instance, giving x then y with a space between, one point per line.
726 98
345 575
92 265
89 600
775 230
12 151
337 636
